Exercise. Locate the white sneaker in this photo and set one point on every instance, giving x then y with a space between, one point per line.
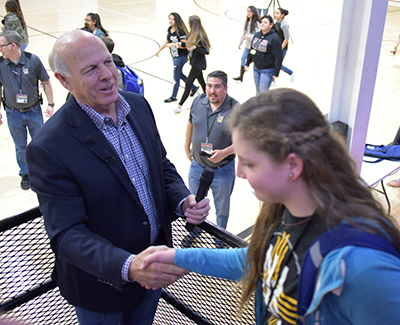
177 109
292 77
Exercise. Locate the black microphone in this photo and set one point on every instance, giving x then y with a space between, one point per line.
206 178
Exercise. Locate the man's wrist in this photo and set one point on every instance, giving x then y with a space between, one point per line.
51 104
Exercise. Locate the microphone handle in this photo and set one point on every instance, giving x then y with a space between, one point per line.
201 194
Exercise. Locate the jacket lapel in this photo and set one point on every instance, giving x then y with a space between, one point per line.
92 138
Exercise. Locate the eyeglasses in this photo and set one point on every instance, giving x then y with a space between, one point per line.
2 45
88 20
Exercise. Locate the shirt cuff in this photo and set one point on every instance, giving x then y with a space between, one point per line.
125 268
178 209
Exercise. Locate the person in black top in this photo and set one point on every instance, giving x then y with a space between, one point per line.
198 46
176 41
266 53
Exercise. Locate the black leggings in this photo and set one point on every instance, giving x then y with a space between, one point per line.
193 75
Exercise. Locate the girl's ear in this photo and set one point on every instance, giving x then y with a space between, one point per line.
295 165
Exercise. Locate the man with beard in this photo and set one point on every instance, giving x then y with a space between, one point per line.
208 143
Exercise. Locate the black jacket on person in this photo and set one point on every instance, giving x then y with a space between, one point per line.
92 212
198 57
268 51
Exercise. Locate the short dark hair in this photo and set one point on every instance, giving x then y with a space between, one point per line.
109 43
221 75
267 17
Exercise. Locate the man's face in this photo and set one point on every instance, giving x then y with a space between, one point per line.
89 22
5 47
94 78
215 90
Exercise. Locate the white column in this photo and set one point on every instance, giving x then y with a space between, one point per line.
359 47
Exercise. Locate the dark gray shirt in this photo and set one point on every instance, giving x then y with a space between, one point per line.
217 131
22 78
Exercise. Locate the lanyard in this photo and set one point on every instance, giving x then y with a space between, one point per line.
20 78
212 125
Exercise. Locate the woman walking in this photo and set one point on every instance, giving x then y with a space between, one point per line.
266 53
14 20
251 26
301 170
282 28
176 41
198 46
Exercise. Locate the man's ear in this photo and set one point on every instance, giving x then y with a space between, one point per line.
63 80
295 165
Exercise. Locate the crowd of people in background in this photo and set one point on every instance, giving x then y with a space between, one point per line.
102 228
265 46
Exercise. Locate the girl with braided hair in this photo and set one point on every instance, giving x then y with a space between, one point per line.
301 171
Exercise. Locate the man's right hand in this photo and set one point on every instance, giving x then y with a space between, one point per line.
189 154
155 275
1 121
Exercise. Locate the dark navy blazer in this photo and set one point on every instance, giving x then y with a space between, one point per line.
91 210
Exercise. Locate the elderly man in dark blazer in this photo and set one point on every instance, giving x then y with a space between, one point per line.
106 189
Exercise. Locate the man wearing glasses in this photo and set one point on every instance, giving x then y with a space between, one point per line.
19 75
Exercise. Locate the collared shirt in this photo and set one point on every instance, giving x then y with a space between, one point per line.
129 149
215 131
22 78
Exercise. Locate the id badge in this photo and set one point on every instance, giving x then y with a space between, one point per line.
22 99
252 51
206 147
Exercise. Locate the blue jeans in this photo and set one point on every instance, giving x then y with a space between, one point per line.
262 78
285 69
143 314
265 12
179 62
222 187
244 56
18 124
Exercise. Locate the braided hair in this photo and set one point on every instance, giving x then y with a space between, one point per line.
283 121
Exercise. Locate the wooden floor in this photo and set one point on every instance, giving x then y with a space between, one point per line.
139 27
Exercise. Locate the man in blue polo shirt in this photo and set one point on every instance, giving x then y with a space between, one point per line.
20 73
208 143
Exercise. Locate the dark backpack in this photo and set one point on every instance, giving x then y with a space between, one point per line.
337 237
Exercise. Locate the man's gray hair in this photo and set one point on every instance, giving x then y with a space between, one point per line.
11 37
57 64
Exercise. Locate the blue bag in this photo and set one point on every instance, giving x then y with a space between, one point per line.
131 80
337 237
389 152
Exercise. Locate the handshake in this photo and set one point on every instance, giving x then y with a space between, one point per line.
154 268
